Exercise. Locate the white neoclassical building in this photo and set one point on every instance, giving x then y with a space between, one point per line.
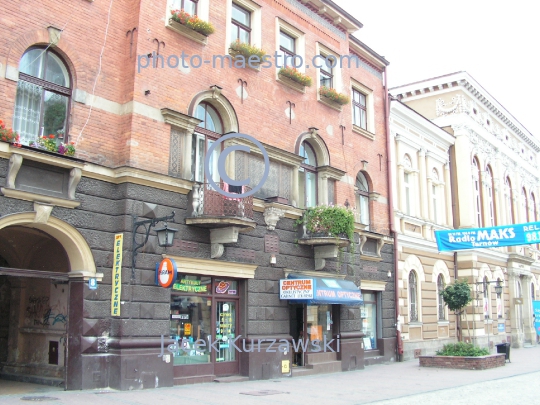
462 161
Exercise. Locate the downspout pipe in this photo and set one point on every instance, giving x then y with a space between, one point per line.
390 167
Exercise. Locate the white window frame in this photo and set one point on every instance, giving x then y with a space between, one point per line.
299 44
370 110
203 10
324 52
256 23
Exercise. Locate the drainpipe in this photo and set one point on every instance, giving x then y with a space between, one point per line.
399 342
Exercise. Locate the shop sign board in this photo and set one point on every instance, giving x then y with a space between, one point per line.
117 275
496 236
501 327
92 283
536 308
296 289
166 272
191 286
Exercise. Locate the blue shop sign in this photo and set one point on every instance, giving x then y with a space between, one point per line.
496 236
536 308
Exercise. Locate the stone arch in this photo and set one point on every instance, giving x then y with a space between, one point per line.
318 144
79 254
221 104
499 274
484 271
412 262
440 267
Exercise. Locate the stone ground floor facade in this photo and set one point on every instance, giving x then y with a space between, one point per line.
61 230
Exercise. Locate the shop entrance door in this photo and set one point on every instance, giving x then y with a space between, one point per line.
226 321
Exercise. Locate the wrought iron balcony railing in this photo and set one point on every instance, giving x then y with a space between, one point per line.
208 202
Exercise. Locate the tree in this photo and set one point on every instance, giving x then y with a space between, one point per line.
457 296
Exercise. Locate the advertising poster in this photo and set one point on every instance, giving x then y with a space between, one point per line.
536 309
296 289
117 275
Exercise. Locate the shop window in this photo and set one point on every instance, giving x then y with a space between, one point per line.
308 176
43 96
206 133
369 320
319 322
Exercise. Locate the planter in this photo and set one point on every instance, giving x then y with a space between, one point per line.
464 363
287 81
247 64
187 32
47 152
330 103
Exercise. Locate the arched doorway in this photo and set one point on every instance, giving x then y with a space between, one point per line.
34 297
40 260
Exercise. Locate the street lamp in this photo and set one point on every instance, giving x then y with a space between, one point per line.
485 284
165 235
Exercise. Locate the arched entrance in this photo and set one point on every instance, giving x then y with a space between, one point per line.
36 265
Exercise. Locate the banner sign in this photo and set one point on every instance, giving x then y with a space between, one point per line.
536 308
497 236
117 275
296 289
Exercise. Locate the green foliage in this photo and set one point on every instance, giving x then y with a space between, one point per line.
457 296
333 95
247 50
193 22
462 349
329 221
295 75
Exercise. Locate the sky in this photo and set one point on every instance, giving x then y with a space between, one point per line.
495 42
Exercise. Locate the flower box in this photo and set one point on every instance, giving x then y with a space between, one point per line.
49 143
294 79
187 32
332 98
8 135
327 225
241 50
190 26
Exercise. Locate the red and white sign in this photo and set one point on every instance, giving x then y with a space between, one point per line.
166 273
296 289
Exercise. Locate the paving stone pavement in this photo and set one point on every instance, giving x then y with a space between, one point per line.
395 383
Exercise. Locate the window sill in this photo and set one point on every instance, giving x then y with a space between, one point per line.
415 324
187 32
443 322
370 258
329 103
360 131
291 83
39 198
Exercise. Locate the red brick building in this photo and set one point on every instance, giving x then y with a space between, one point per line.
141 97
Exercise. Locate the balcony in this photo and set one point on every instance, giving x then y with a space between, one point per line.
225 216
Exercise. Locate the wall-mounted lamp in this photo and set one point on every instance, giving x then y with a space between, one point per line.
389 274
146 92
273 260
165 235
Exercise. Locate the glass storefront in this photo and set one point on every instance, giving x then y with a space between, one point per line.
194 321
369 320
319 322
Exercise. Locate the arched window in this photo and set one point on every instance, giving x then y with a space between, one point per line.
477 192
534 210
413 296
486 300
524 205
308 176
499 302
509 201
440 301
362 198
206 133
489 196
43 96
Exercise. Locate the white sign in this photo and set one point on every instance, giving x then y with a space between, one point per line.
296 289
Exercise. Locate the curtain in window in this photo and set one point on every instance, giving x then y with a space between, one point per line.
27 111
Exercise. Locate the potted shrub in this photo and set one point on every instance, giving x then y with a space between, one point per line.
50 144
192 22
8 135
328 222
463 350
291 73
333 96
246 50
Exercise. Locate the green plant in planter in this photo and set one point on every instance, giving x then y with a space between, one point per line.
333 95
247 50
457 296
329 221
462 349
295 75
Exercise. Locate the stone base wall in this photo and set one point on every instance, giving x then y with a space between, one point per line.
463 363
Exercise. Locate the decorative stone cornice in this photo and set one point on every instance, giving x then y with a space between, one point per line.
330 172
180 120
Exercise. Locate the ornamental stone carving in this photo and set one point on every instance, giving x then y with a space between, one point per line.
271 216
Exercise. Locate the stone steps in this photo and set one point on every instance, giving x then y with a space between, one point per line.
35 379
194 380
373 357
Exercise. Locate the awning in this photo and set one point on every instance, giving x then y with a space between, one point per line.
299 289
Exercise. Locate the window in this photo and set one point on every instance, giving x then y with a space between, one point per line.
43 96
524 205
189 6
369 320
331 192
486 301
499 302
362 198
413 297
440 300
287 48
407 184
326 72
359 109
240 24
308 176
477 193
509 201
205 135
489 196
435 201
